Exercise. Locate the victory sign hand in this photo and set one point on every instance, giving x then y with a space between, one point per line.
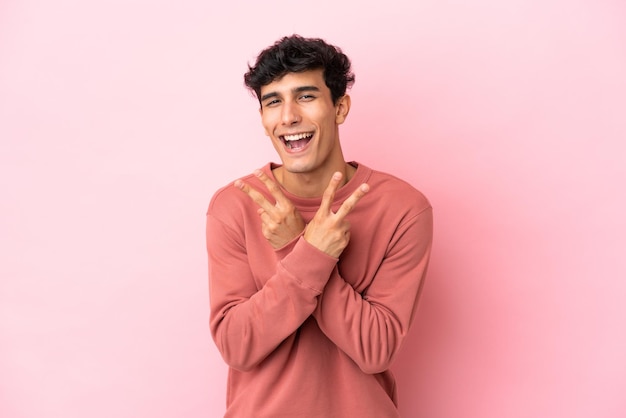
328 231
281 221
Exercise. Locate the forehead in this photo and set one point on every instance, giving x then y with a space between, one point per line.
292 81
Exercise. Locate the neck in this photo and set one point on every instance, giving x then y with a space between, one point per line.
311 184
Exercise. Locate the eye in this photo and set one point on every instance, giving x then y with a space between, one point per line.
307 97
271 103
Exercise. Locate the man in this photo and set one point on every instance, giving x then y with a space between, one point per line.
315 264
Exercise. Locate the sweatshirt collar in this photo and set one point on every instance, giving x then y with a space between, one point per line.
311 204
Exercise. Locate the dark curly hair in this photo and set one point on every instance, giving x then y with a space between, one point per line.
293 54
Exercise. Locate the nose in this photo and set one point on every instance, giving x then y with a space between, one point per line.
290 115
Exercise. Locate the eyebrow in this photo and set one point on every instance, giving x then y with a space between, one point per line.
296 90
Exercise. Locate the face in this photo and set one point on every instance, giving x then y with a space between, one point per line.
299 116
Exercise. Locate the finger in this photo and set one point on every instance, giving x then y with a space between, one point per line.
329 193
254 194
266 219
349 204
271 186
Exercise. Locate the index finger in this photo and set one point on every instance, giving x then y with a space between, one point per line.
349 204
256 196
271 186
329 193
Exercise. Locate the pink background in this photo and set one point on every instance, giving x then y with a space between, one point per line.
119 119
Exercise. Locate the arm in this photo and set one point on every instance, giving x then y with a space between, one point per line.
246 323
371 327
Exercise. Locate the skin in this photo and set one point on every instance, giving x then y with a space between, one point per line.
294 104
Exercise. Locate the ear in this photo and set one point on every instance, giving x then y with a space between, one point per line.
342 108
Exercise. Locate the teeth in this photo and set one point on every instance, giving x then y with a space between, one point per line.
297 137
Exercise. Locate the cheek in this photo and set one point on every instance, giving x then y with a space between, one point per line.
267 127
330 120
322 117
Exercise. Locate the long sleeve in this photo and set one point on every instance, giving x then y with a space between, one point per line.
306 334
369 326
249 318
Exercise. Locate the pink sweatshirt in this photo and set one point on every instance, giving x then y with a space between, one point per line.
306 334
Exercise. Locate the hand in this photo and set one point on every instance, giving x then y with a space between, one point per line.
281 222
328 231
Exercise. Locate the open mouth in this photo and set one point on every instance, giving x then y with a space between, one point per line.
296 141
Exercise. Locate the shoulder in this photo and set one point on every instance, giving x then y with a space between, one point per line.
396 191
225 197
228 200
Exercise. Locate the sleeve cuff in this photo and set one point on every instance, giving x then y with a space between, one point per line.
287 248
308 265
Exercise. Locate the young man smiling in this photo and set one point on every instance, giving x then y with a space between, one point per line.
315 264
